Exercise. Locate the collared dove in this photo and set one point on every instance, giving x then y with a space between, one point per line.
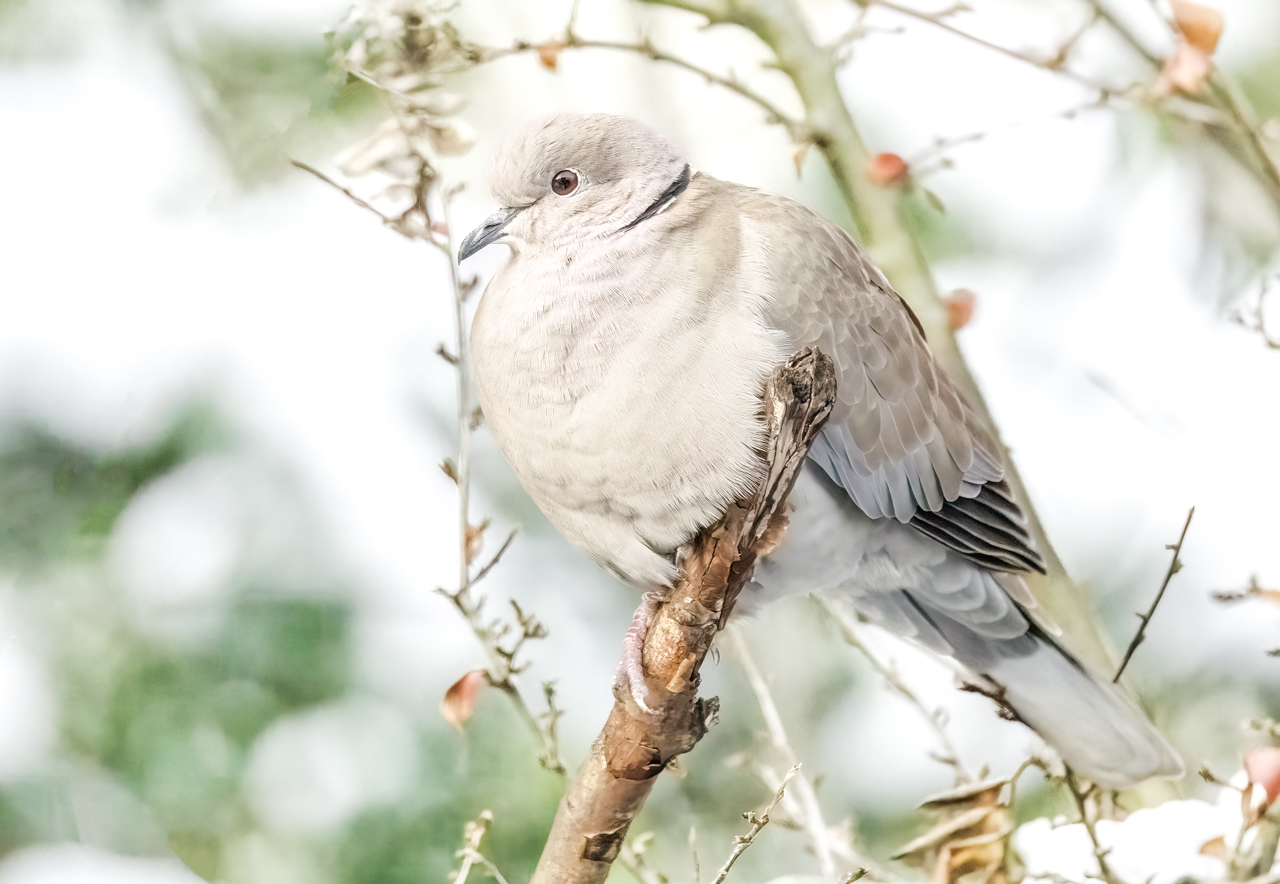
620 355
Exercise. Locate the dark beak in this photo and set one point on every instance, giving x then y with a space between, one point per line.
492 230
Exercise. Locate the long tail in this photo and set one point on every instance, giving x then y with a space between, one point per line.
1096 728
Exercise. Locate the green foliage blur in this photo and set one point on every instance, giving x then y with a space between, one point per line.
154 736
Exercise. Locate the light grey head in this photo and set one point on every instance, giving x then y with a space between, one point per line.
567 178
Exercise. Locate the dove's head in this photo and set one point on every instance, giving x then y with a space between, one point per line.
564 178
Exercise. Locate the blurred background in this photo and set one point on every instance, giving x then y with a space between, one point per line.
222 419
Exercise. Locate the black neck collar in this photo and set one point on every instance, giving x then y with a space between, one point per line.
677 187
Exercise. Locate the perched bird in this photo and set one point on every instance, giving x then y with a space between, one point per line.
620 356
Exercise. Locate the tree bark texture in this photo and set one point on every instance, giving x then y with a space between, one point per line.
635 746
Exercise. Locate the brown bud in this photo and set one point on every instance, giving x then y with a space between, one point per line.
887 170
960 305
549 54
1201 25
1263 768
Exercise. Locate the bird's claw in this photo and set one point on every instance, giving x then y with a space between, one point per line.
630 675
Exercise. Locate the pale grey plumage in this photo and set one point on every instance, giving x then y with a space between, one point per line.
619 358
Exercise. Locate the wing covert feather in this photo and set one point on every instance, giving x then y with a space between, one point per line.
901 440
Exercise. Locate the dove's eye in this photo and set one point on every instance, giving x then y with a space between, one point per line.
564 182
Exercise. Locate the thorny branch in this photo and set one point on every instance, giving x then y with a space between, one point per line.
758 822
1175 565
850 631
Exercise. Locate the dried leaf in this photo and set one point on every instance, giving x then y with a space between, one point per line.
1201 25
447 467
1186 70
549 54
947 830
960 305
1263 768
460 700
887 170
959 858
983 794
1215 847
475 540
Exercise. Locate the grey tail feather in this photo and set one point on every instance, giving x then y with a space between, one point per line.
1093 724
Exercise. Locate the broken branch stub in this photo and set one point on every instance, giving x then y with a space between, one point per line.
635 747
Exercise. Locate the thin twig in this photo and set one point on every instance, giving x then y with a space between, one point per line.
633 861
758 822
1237 106
919 162
1257 322
462 371
812 809
470 853
502 667
497 557
1104 12
1099 852
1054 64
648 50
1175 565
1253 590
390 222
850 632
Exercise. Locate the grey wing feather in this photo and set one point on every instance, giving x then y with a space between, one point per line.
901 440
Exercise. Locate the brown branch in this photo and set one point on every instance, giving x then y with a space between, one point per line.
1175 565
635 747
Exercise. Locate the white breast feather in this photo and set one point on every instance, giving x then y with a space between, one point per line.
626 399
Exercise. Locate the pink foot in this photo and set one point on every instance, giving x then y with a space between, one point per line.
630 674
